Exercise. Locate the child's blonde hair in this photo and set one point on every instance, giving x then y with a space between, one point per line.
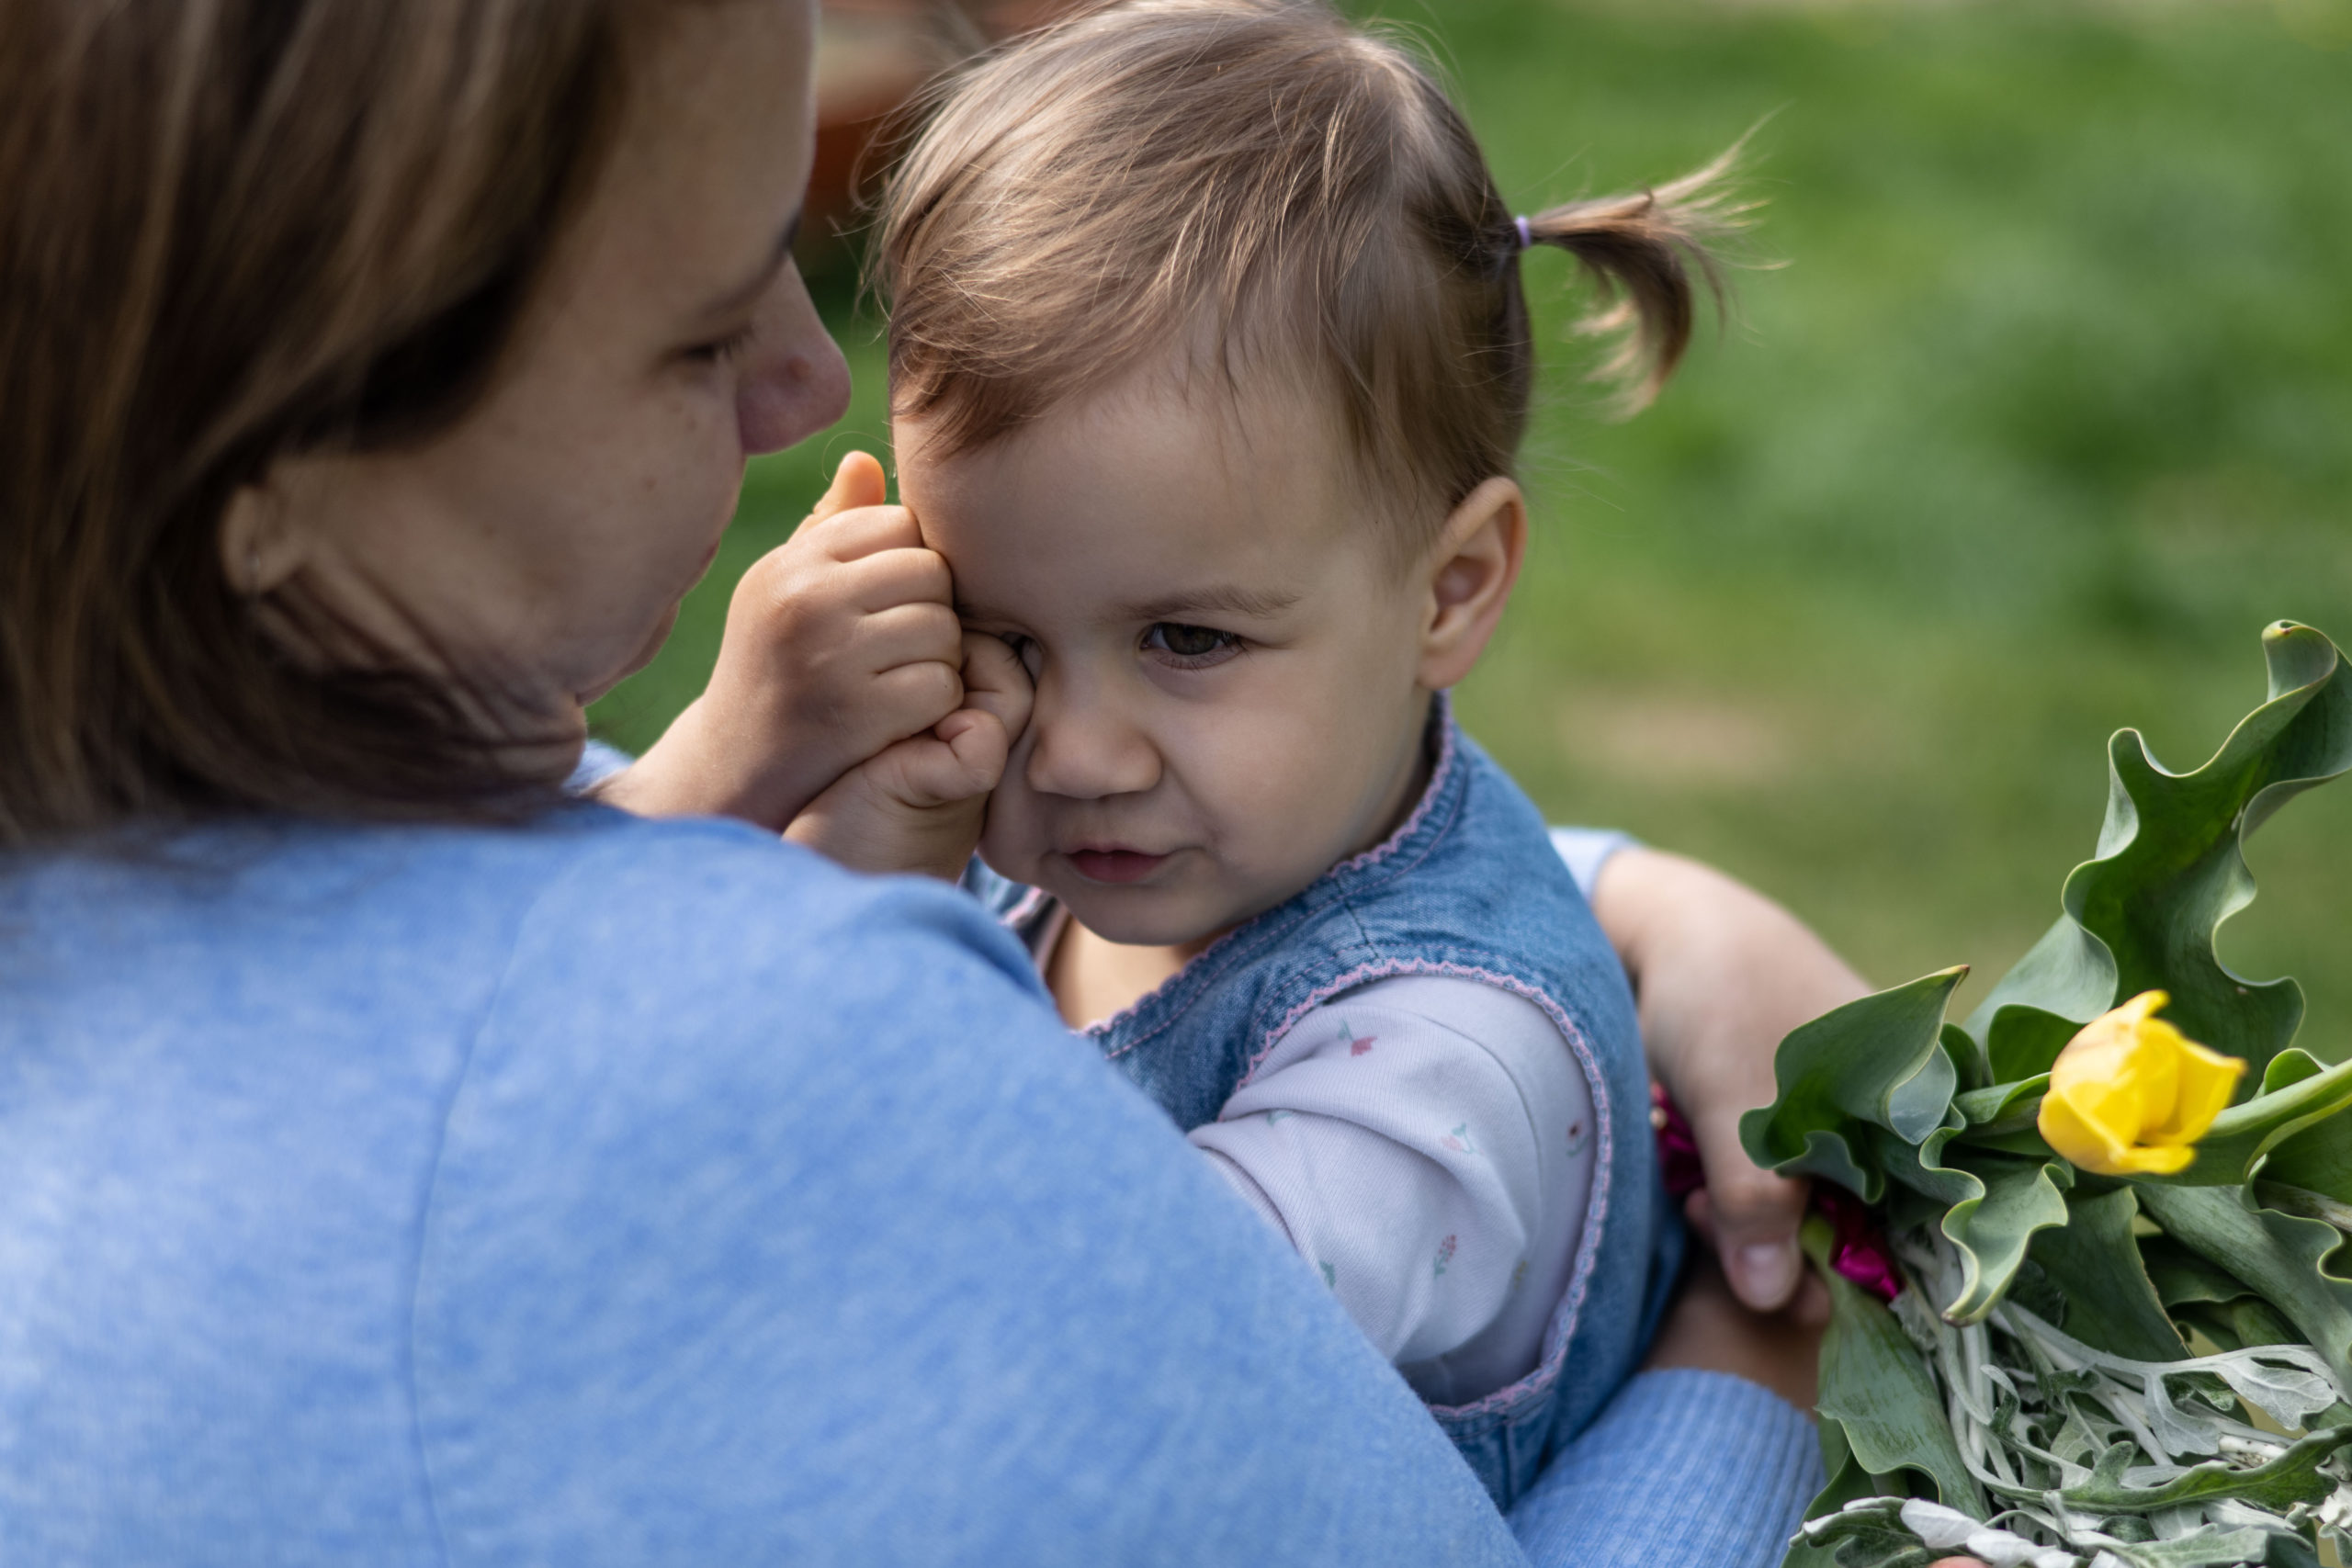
1099 193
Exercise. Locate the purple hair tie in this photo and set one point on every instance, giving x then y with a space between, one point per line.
1526 233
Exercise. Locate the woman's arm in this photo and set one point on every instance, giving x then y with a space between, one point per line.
1720 973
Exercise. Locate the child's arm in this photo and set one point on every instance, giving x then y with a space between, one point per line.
840 643
1721 973
1428 1143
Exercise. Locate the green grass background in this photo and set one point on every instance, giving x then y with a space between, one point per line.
2045 412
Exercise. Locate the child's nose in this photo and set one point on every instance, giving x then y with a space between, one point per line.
1083 745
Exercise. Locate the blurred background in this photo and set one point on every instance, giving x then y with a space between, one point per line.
2040 411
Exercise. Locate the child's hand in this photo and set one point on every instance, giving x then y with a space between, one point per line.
839 642
1720 973
920 806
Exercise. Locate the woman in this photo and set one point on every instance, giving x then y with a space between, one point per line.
400 1161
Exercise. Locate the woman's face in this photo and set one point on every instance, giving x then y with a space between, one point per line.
537 551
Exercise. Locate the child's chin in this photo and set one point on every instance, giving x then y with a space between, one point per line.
1137 917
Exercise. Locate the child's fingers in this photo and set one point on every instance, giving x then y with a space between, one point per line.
959 759
1755 1216
912 699
995 683
895 576
907 634
979 744
861 532
859 482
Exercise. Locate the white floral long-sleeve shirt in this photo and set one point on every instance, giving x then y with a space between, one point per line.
1426 1144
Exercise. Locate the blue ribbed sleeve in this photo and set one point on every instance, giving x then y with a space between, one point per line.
1685 1467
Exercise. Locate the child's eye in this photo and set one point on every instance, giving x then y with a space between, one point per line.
1195 646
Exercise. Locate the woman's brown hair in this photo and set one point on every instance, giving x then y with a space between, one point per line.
233 230
1102 189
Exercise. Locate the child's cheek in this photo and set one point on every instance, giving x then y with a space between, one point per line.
1012 844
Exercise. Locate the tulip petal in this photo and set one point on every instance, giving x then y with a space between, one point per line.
2130 1094
2207 1080
2083 1142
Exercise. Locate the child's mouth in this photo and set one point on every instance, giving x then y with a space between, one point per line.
1115 865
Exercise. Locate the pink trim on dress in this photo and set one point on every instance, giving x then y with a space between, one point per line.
1388 846
1563 1318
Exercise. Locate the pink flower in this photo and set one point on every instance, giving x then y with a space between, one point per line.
1860 1252
1677 1147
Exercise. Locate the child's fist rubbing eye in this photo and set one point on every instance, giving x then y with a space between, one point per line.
921 805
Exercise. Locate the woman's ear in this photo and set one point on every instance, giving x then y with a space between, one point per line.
260 545
1469 572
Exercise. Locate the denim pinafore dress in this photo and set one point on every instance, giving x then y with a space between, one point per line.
1469 886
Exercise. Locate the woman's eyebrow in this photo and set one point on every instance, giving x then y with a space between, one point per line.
750 288
1225 598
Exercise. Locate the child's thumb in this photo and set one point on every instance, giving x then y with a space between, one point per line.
857 482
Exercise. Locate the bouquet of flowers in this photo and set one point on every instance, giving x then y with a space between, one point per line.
2090 1250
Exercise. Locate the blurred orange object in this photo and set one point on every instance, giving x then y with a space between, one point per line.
871 56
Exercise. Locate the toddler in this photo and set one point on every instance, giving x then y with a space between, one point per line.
1209 358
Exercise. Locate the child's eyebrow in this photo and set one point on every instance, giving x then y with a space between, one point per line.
1231 599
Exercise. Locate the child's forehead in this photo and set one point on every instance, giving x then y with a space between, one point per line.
1163 489
1214 391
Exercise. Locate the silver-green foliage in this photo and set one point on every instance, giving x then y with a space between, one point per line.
2035 1378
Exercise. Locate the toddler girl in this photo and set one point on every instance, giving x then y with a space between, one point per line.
1209 358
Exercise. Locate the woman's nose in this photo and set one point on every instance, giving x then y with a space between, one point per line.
793 381
1084 747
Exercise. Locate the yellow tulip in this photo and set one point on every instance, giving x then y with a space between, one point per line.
2131 1094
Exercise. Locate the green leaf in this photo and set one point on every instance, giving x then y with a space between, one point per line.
2282 1257
2064 980
2182 1277
1875 1386
2207 1547
1847 1482
2288 1067
1991 1206
2249 1321
2293 1477
2169 869
2020 1197
1971 1066
2002 1102
2024 1039
2317 1160
2095 1260
1872 1538
1878 1062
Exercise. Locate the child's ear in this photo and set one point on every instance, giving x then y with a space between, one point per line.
1469 572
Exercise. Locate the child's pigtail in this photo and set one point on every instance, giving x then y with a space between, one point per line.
1643 250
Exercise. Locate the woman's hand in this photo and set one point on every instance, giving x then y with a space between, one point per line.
921 805
840 643
1721 973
